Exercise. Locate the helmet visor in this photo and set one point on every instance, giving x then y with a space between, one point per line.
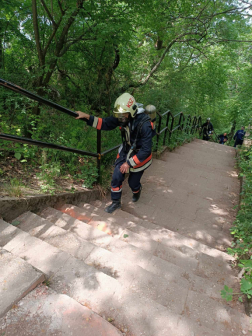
119 110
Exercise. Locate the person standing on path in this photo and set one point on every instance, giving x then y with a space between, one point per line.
207 128
134 155
239 136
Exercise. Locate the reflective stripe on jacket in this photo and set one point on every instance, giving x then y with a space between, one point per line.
141 158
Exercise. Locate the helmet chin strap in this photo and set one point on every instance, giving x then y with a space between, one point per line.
125 122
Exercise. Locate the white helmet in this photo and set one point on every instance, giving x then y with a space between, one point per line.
208 119
125 103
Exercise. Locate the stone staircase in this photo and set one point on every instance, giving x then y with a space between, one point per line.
153 268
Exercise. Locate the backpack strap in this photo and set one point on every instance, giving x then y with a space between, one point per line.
139 129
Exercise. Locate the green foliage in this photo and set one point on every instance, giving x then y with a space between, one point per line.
14 188
47 177
227 293
89 174
242 229
111 47
15 223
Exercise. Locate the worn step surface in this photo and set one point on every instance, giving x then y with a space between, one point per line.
156 232
143 237
45 312
105 296
200 264
63 270
17 278
117 264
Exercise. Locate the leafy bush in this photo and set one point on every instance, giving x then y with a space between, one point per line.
242 229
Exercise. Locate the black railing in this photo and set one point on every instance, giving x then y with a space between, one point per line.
185 123
190 127
215 138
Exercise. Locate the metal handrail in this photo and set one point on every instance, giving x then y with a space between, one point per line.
196 123
14 138
33 96
99 154
216 136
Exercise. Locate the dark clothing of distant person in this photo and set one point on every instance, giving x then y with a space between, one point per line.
222 139
207 129
239 137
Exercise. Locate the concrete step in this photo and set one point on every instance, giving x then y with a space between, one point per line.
218 150
218 182
215 153
212 231
17 278
209 157
194 208
217 146
45 312
65 273
200 264
166 172
114 264
155 232
192 211
174 159
159 233
108 298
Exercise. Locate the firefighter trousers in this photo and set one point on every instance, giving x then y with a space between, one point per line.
118 178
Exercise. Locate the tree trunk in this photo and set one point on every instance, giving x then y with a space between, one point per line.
1 53
232 131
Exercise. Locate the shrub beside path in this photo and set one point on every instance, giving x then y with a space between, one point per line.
153 268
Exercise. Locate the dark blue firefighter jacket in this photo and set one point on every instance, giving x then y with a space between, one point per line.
139 159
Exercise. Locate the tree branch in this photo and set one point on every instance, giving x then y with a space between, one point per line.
61 9
36 33
117 58
67 46
154 69
48 12
240 41
199 50
55 28
66 28
61 40
63 73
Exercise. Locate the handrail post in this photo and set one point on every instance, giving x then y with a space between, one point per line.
183 118
193 125
166 125
171 128
188 124
180 117
159 127
99 155
199 125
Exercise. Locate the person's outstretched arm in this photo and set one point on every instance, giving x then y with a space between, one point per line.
104 124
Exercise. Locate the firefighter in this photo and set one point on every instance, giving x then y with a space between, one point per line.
207 129
134 155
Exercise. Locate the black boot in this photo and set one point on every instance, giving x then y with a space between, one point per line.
113 206
136 196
